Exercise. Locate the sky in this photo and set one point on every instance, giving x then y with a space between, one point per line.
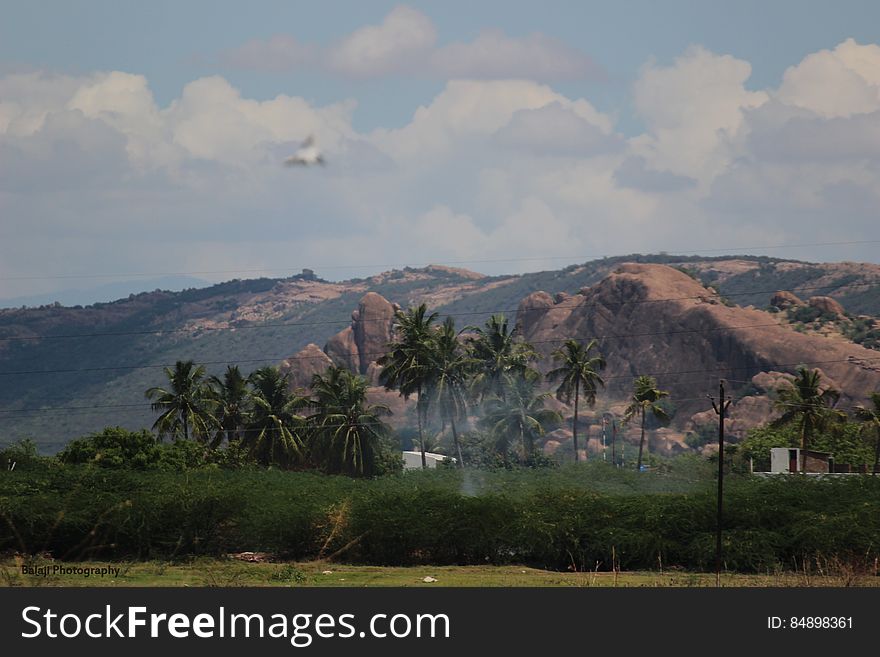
145 141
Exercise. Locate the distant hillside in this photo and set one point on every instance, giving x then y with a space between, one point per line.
95 362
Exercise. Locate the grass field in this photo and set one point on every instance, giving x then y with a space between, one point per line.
231 572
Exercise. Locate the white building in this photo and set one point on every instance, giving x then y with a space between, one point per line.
413 460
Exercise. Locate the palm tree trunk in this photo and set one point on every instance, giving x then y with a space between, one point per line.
455 440
641 443
185 428
421 435
574 423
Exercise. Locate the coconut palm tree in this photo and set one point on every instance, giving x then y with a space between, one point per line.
805 404
230 395
346 431
273 434
407 367
185 405
644 400
870 417
518 416
448 385
497 356
579 373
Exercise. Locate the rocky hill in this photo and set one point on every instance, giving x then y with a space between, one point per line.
657 320
68 371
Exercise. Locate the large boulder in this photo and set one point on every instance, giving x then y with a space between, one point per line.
307 362
343 349
372 324
783 300
827 305
358 346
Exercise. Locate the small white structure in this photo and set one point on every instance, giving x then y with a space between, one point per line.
791 459
413 460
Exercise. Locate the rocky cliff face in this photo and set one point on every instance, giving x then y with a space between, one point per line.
653 319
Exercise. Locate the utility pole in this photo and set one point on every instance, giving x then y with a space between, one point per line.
720 410
604 432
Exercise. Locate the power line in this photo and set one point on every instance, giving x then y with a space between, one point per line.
584 258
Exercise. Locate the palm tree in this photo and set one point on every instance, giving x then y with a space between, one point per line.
408 364
518 416
231 397
185 405
497 356
448 385
870 417
805 404
273 433
579 372
644 401
347 432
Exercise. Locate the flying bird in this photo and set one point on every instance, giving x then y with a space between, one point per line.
306 155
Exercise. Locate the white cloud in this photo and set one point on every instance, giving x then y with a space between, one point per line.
694 110
493 54
835 83
212 121
396 45
487 170
405 43
469 110
555 130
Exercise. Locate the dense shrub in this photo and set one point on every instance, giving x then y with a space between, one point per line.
587 516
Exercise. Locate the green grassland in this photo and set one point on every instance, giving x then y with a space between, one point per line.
232 573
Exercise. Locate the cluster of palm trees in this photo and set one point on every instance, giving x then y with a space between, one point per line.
334 429
487 372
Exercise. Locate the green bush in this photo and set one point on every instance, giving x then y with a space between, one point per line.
115 447
22 455
579 516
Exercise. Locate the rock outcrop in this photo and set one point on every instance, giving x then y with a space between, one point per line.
827 305
357 347
307 362
654 319
783 300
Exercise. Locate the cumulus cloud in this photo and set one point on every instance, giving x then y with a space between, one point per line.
405 42
486 170
467 111
397 44
634 173
835 83
694 110
555 130
493 54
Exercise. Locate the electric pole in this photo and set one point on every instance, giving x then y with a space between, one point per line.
720 410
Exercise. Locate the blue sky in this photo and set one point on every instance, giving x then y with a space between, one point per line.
521 130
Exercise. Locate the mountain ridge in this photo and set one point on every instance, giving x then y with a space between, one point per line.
122 345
